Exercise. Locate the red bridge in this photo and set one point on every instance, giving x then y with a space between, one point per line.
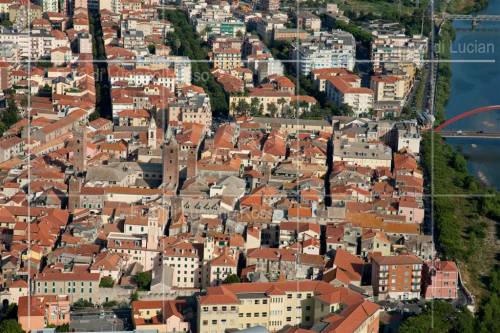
467 114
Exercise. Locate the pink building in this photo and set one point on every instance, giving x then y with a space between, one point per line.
440 279
161 315
42 310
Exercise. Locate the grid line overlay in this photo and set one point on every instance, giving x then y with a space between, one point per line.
432 61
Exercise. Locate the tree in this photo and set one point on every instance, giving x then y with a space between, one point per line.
82 303
134 296
46 91
254 106
346 110
10 116
177 45
242 107
10 312
273 110
143 280
106 282
63 328
152 48
281 103
233 278
190 45
10 326
94 115
110 304
444 318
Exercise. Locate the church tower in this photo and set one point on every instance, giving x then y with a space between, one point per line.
192 162
152 139
80 151
75 187
170 160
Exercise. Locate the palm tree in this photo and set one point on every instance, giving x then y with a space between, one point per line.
254 105
273 109
281 102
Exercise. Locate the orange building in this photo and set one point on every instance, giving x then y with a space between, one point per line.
396 277
36 312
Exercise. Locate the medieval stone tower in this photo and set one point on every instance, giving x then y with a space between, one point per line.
170 160
80 152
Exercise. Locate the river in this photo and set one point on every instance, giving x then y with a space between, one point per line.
475 85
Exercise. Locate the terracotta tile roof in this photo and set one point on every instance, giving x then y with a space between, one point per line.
341 85
373 221
224 260
71 276
403 259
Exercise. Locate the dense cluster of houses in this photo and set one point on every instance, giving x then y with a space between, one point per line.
317 219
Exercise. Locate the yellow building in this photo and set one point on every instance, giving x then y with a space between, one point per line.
226 59
388 88
274 305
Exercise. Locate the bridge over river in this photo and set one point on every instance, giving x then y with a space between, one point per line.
470 134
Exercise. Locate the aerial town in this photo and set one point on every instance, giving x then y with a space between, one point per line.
210 166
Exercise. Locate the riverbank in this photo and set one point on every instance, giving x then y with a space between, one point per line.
465 219
466 212
466 6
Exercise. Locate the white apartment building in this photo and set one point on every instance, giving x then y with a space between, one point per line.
135 247
192 108
326 50
398 48
141 77
388 88
220 268
275 305
226 59
347 91
408 137
38 42
185 260
182 69
372 155
269 67
50 5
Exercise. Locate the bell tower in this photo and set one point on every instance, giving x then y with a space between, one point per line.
80 151
152 139
170 160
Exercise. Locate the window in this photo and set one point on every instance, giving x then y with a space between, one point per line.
249 315
214 322
289 295
288 318
256 314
